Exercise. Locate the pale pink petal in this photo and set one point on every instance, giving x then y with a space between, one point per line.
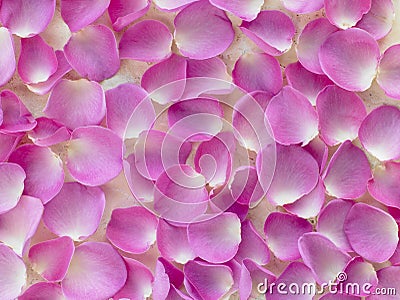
282 232
347 173
258 71
124 12
266 165
12 273
321 255
7 56
165 81
246 10
388 72
51 258
8 143
303 6
39 164
48 132
43 291
252 245
19 224
361 273
292 117
37 61
148 40
129 110
138 283
207 281
75 212
379 133
331 222
310 40
340 114
97 271
346 13
12 178
309 205
26 18
384 184
387 281
272 31
194 39
216 240
379 20
80 13
344 63
173 243
141 187
371 232
245 187
132 229
94 155
306 82
236 269
93 52
172 5
319 150
63 68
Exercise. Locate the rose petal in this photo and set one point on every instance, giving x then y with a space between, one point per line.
173 5
245 187
347 173
371 232
8 143
202 42
388 72
387 282
12 178
344 64
175 275
318 149
247 11
165 274
224 201
75 212
339 296
360 274
303 6
48 132
272 31
345 14
93 52
43 291
7 56
124 12
12 273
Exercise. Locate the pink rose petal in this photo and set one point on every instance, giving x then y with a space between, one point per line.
12 178
246 10
246 187
388 72
39 163
124 12
7 56
75 212
43 291
387 281
222 200
339 296
202 42
303 6
12 273
51 258
346 13
172 5
48 132
93 52
94 155
371 232
319 150
344 64
348 172
132 229
8 143
97 271
361 273
161 283
272 31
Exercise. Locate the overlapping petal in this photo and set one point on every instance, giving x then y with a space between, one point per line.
386 281
12 178
346 13
48 132
172 5
362 274
388 72
141 187
8 143
124 12
247 11
245 186
7 57
319 150
43 291
383 186
303 6
12 273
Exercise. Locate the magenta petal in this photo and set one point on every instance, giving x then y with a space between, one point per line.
311 38
272 31
51 258
339 296
80 13
388 72
321 255
346 13
132 229
246 10
75 212
43 291
172 5
7 56
141 187
384 185
129 110
26 18
97 271
164 81
39 163
361 273
303 6
245 187
202 42
12 178
207 281
216 240
12 273
175 275
340 115
19 224
348 172
282 232
48 132
372 233
173 243
167 277
8 143
293 119
148 40
94 155
387 281
93 52
344 64
306 82
258 71
319 150
124 12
